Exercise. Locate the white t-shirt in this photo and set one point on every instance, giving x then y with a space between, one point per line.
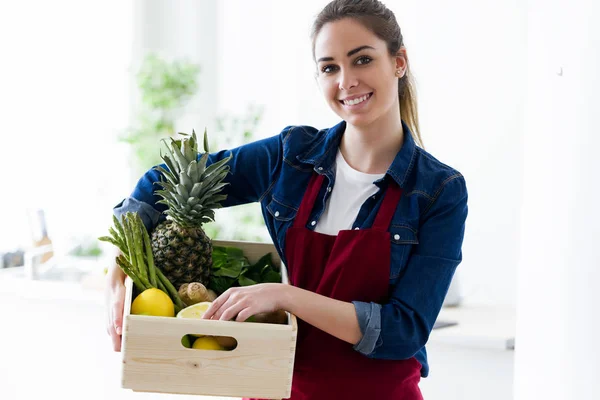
352 188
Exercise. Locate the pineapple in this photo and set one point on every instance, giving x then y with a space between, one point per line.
191 191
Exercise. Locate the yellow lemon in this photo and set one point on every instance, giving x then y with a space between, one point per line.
195 311
153 302
207 343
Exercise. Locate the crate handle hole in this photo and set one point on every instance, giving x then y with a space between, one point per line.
208 342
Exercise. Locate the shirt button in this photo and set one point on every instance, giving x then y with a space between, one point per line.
313 223
320 168
356 228
277 213
396 237
329 189
373 197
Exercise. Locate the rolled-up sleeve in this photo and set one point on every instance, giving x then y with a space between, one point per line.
369 321
399 328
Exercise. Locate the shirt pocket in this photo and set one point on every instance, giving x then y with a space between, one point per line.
403 238
282 215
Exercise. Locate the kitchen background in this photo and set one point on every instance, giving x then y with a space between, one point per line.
506 91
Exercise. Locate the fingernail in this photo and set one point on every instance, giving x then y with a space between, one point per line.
118 330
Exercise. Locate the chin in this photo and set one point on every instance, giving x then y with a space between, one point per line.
358 120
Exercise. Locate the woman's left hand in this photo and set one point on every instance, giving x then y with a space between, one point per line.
243 302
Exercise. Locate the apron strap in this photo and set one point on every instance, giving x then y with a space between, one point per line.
388 207
308 200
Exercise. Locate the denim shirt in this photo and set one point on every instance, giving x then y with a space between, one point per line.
427 229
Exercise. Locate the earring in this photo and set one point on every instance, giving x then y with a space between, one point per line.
399 72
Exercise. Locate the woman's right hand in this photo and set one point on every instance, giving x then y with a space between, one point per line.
115 299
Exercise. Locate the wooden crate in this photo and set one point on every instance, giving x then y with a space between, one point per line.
261 366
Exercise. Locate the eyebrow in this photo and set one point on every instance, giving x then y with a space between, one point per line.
350 53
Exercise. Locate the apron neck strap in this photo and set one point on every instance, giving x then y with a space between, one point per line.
308 200
388 207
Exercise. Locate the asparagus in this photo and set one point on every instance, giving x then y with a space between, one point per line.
137 261
126 267
136 228
149 256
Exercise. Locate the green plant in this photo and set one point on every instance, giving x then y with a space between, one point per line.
165 87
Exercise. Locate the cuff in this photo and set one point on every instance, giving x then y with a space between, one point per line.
369 321
149 215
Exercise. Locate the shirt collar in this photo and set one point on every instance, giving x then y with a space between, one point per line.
322 154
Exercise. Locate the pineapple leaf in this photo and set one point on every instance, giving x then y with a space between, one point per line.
196 189
170 165
205 141
217 167
167 174
179 157
188 149
213 191
211 181
186 181
192 171
183 192
202 164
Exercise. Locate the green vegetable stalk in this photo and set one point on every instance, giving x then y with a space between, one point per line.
137 261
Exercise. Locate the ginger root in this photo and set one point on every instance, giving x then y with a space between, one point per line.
194 292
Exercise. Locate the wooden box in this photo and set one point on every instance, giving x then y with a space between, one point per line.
261 366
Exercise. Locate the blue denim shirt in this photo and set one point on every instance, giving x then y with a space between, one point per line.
426 232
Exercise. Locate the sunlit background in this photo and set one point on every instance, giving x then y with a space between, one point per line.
506 91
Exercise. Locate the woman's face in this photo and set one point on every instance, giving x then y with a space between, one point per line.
356 73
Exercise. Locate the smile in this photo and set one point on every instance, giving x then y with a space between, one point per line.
356 101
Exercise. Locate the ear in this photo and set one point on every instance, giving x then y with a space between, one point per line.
401 61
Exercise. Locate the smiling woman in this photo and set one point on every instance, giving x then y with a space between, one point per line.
369 225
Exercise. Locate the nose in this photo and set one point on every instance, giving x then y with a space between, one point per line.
347 80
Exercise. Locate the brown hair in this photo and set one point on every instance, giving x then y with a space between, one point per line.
382 22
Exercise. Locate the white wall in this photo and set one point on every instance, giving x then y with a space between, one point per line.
468 58
557 325
64 99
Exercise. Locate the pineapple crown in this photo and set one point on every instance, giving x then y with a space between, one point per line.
190 190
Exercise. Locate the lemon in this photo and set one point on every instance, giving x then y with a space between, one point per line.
207 343
195 311
153 302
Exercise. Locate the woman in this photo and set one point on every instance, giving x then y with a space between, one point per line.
383 219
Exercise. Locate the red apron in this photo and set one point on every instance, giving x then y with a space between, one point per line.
354 265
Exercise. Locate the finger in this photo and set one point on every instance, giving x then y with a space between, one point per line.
115 338
244 314
118 317
216 304
231 311
231 301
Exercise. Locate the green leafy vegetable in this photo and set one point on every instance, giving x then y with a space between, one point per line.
231 268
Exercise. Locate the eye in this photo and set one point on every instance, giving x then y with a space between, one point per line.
327 69
363 60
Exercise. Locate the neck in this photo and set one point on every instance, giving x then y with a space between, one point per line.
371 149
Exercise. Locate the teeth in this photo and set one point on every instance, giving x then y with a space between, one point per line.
356 101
